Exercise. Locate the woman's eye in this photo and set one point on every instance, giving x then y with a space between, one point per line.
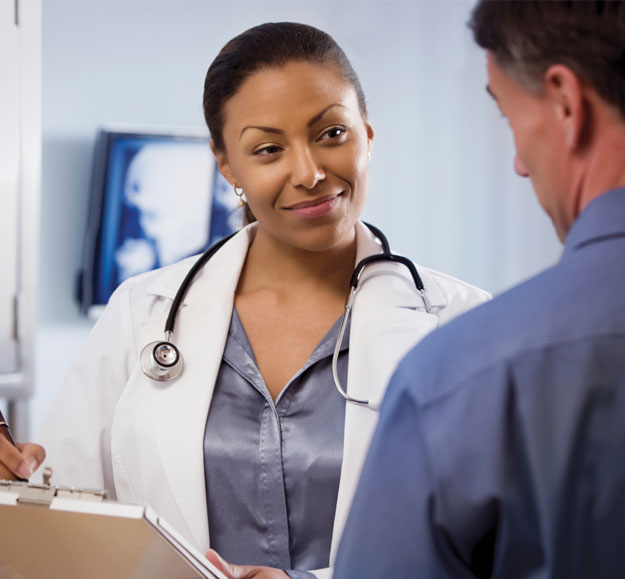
268 150
333 133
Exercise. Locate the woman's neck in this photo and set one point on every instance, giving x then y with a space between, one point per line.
273 265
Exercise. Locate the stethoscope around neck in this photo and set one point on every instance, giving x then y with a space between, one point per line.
162 361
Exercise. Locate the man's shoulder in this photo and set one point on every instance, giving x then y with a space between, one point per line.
551 308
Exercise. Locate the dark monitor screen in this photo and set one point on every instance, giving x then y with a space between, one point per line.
156 198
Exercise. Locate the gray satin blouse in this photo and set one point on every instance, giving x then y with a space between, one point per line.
273 469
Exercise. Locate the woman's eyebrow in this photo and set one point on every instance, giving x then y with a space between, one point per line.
261 128
309 124
320 115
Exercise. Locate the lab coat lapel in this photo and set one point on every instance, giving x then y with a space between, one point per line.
388 318
181 408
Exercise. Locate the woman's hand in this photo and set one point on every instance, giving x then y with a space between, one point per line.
243 571
20 462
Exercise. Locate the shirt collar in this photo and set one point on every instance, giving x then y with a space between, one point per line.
603 217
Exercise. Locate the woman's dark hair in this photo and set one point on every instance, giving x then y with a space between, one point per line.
527 37
269 45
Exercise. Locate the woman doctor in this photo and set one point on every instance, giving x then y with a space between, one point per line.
252 451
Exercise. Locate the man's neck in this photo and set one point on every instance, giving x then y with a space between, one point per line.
600 167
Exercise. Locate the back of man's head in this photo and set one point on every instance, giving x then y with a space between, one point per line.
526 37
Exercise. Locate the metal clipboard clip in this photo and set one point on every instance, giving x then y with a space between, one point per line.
42 494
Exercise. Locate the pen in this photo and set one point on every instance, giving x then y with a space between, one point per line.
4 429
6 432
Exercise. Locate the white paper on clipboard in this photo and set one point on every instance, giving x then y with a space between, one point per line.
50 532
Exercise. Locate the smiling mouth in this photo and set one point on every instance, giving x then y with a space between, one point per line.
313 202
315 208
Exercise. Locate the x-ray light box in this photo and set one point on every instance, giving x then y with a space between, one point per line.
156 197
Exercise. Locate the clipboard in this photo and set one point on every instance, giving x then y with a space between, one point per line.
50 532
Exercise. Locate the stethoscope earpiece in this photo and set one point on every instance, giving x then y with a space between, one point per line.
161 361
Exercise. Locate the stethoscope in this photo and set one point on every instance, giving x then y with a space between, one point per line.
162 361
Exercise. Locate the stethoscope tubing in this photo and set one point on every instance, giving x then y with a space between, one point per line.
337 349
162 371
385 256
186 283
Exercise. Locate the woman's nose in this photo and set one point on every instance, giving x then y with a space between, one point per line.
305 171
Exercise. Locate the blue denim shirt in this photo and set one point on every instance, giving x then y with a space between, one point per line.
273 468
499 449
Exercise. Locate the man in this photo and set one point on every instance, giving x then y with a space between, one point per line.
500 450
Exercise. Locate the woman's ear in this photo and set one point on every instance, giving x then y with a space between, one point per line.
370 135
566 92
222 164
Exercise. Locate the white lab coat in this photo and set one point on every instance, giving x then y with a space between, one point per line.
111 427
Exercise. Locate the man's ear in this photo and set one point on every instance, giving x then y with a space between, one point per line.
223 165
564 89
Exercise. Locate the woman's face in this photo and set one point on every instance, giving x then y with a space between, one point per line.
297 144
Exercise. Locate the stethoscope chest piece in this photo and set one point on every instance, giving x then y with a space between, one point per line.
161 361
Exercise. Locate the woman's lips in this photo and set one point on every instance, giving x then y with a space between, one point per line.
315 208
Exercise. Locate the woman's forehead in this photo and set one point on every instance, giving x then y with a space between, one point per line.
294 89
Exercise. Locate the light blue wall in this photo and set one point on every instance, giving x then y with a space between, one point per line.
442 185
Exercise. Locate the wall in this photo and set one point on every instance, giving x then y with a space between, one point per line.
442 184
20 172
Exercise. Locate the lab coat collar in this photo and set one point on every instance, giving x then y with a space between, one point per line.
167 285
367 245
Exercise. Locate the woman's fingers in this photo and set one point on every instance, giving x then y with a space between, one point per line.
243 571
222 565
34 454
13 462
19 462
